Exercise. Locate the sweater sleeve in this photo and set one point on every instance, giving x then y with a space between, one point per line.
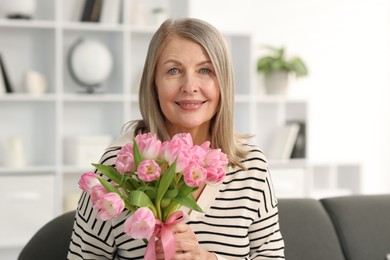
265 241
92 238
271 245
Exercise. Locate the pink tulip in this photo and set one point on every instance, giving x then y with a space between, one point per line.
194 175
183 159
216 158
184 138
87 181
125 159
198 154
205 145
215 175
148 145
110 206
148 170
98 192
179 144
140 224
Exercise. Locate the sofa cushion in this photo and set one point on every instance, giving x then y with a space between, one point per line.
307 231
362 223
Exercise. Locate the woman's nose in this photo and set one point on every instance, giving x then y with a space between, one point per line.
190 84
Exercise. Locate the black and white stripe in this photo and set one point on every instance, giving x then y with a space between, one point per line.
241 223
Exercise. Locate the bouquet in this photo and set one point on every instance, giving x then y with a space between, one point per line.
152 180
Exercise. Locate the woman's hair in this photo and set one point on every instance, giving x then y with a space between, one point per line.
222 130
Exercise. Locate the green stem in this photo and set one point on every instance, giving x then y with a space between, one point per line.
158 210
173 207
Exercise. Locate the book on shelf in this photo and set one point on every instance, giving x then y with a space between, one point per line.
88 5
96 10
4 80
283 141
299 150
92 10
110 12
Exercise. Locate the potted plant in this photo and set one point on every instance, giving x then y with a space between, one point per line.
277 68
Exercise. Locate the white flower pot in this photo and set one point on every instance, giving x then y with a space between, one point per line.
276 83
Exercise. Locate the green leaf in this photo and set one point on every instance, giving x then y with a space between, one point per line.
107 185
185 190
171 193
140 199
188 201
151 192
277 61
109 171
129 184
165 182
137 154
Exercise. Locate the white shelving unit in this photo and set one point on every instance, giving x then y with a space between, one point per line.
44 122
46 181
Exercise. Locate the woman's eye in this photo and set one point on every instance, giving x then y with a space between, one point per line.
205 70
173 71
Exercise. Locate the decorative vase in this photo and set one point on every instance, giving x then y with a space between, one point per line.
35 83
19 9
15 151
276 82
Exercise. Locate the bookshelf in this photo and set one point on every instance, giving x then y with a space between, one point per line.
45 179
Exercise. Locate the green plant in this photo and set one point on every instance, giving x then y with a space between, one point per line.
278 61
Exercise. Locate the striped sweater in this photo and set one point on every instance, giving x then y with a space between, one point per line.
240 219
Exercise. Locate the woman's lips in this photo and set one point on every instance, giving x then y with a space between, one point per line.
190 105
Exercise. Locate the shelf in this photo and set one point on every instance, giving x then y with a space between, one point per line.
291 163
28 170
95 97
77 170
92 26
27 24
22 97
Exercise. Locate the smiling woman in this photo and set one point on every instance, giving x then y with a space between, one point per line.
187 86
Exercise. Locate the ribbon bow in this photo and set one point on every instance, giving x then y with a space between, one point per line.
163 230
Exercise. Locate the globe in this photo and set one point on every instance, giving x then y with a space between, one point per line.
90 63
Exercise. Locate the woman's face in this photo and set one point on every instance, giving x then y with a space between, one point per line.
187 87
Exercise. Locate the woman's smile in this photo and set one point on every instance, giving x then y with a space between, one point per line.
190 104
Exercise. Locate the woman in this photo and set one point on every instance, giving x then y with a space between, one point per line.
187 86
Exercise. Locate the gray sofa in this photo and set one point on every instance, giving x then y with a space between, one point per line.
340 228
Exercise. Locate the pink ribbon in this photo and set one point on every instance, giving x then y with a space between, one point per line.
164 232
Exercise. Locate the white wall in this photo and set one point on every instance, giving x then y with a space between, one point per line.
346 44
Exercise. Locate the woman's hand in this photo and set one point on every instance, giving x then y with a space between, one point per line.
186 245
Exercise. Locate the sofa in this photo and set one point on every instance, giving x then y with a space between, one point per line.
340 228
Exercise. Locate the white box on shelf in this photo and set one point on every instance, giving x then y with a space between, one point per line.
84 150
27 203
289 183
